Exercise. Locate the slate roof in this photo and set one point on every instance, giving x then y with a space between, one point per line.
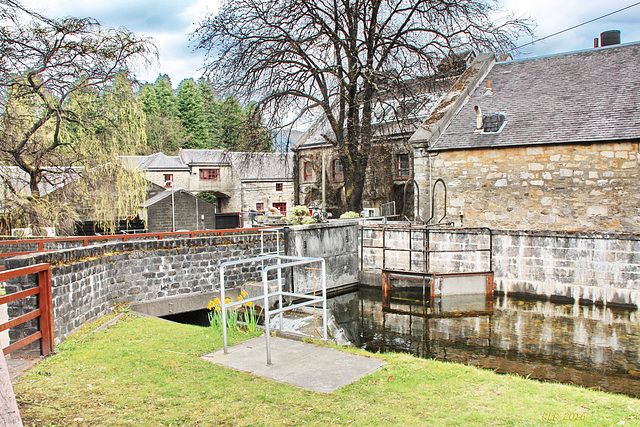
162 195
393 115
52 179
161 162
580 97
204 157
263 166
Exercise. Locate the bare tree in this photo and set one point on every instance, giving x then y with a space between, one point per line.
302 57
63 111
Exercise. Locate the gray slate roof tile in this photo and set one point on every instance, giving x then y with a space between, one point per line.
580 97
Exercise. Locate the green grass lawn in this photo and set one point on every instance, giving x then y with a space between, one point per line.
145 371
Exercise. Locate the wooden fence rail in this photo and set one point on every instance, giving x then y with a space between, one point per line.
44 311
121 237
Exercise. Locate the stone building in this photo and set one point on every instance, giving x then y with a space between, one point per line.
175 209
397 115
544 143
240 181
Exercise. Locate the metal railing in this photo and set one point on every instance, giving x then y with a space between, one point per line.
424 249
44 312
290 261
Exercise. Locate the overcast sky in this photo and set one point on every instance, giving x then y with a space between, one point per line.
170 22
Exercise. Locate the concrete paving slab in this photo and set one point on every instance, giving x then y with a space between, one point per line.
305 365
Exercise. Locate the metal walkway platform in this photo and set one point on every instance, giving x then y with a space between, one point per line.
315 368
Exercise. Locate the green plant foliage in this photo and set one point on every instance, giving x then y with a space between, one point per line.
192 115
146 371
300 213
350 215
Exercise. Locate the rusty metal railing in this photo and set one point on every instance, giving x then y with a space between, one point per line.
425 250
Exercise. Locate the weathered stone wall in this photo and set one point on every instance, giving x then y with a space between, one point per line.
570 187
87 282
265 192
336 242
592 267
188 216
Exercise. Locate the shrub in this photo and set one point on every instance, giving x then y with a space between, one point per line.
349 215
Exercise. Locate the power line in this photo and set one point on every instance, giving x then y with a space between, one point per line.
576 26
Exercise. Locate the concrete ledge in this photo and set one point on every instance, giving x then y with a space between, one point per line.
305 365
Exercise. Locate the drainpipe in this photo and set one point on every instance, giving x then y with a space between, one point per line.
324 187
429 157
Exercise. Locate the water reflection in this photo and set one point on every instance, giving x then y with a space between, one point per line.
591 346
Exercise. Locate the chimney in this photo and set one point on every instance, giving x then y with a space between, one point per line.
488 90
610 38
479 121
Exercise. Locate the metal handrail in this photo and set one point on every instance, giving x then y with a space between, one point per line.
292 262
425 250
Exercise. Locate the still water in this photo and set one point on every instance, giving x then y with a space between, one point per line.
594 347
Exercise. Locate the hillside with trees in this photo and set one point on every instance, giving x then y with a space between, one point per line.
193 116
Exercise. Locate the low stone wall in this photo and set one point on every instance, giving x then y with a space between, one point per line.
87 282
593 267
336 242
602 268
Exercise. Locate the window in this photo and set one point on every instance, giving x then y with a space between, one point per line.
209 174
168 180
308 171
281 206
260 207
338 174
404 166
492 122
279 186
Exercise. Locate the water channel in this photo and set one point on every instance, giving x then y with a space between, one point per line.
590 346
594 347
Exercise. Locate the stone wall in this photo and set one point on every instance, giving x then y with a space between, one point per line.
568 187
336 242
87 282
264 192
188 216
588 267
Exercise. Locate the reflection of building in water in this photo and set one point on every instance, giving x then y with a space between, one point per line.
588 346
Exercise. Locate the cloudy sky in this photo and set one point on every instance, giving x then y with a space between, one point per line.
170 22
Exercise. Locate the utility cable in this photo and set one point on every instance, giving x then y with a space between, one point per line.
576 26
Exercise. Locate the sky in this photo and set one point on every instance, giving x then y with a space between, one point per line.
170 23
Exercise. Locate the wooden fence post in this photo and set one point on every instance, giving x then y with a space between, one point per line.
46 311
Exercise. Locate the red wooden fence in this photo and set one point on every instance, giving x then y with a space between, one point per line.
122 237
44 310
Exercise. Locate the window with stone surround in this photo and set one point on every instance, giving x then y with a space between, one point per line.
338 172
260 207
308 171
281 206
210 174
404 166
168 180
279 186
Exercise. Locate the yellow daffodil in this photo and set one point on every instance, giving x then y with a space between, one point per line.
227 300
240 298
211 305
216 301
217 309
243 293
249 304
